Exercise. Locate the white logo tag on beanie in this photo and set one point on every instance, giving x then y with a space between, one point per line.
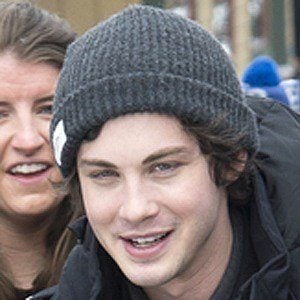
59 140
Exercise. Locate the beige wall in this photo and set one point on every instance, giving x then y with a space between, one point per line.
241 34
83 14
204 13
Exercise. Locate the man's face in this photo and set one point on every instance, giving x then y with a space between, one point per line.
150 199
26 160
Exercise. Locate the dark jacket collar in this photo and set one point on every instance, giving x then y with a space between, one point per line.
272 281
78 227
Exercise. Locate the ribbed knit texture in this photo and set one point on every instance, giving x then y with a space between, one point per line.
147 60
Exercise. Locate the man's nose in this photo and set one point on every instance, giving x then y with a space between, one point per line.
138 204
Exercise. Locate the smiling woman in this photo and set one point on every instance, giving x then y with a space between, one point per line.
26 162
34 240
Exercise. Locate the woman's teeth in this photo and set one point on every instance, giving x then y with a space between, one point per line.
28 168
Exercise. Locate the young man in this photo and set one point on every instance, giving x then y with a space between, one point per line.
150 120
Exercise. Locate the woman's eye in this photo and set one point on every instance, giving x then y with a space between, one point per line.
3 114
46 109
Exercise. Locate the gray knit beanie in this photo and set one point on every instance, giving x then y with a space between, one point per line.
145 59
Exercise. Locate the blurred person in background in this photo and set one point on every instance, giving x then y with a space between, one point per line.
291 87
34 241
261 78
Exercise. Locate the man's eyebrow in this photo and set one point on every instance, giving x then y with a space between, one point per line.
96 163
164 153
153 157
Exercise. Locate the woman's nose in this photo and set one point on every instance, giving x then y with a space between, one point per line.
27 138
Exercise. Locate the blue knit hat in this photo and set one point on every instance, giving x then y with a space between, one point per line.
262 78
262 71
145 59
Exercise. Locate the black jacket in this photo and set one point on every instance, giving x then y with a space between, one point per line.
274 224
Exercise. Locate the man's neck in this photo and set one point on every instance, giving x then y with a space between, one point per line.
23 250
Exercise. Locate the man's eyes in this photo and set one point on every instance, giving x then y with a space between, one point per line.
104 174
164 168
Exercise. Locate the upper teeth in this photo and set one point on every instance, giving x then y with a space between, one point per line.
150 239
28 168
